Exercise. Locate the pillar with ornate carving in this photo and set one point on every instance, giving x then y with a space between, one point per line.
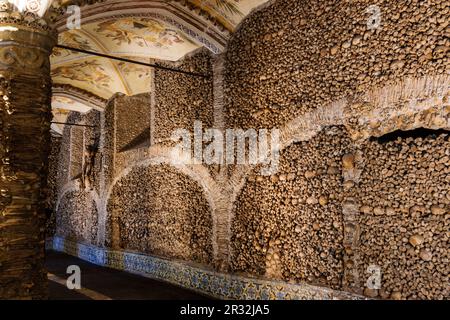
26 41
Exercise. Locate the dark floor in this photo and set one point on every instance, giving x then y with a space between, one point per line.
100 283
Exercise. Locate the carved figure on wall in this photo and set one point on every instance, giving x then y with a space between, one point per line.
87 174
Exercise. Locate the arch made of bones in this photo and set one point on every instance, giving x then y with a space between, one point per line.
140 30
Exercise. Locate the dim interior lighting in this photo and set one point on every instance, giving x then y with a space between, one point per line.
38 7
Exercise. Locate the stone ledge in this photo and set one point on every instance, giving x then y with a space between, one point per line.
215 284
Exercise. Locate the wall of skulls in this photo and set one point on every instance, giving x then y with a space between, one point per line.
51 194
64 154
181 99
295 56
77 217
321 64
108 144
133 120
404 215
76 152
92 139
289 226
162 212
132 128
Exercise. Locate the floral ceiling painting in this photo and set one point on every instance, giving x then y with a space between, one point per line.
93 74
143 33
139 37
91 71
70 39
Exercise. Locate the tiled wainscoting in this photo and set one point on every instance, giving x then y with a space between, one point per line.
219 285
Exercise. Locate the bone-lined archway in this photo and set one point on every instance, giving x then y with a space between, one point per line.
158 159
91 202
159 155
406 105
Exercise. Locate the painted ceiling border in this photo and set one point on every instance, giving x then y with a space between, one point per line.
190 23
79 95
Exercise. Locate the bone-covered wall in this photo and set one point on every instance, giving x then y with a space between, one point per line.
76 206
289 226
92 142
296 56
404 218
181 99
180 228
64 156
362 106
77 217
52 185
328 64
133 121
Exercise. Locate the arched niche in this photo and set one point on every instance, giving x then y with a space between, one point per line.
404 207
77 216
289 226
158 210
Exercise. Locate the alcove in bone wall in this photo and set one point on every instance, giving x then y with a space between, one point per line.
289 226
404 198
77 217
155 209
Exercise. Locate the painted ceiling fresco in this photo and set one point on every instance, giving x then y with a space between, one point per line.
137 37
140 39
144 37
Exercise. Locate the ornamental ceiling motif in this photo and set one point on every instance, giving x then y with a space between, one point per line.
142 39
140 30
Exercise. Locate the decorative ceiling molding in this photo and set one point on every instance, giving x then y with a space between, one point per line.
193 23
187 5
79 95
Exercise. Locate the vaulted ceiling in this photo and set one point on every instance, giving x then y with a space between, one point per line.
138 30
